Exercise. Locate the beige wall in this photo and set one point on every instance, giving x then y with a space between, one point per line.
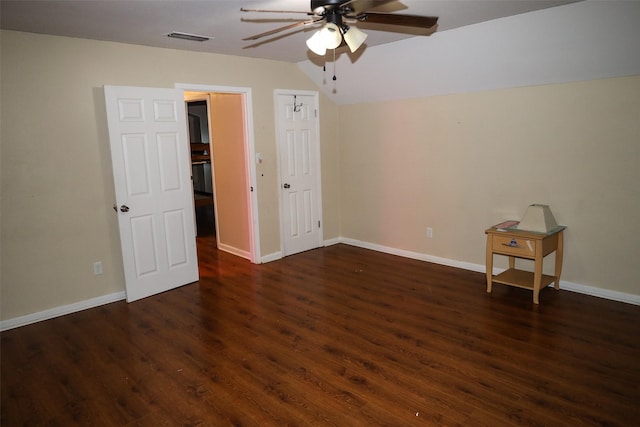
57 184
461 163
455 163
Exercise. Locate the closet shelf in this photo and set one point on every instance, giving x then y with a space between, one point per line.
200 158
200 153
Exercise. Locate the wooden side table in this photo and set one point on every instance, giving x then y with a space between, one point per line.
516 243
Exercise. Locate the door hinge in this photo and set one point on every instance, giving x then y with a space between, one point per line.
251 188
318 224
315 112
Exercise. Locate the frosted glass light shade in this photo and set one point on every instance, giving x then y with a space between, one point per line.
316 44
354 38
331 36
328 37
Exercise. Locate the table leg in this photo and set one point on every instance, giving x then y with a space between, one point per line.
489 262
559 255
537 274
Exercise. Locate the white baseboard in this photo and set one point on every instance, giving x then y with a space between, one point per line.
415 255
234 251
601 293
271 257
60 311
278 255
275 255
333 241
569 286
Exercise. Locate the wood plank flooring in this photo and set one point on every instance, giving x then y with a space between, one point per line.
337 336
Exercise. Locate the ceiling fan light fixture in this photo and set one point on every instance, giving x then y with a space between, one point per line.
335 13
328 37
353 37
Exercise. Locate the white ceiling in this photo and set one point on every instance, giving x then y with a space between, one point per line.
146 22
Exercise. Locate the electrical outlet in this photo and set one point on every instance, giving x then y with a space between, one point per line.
97 268
429 232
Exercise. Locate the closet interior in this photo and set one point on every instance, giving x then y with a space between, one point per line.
201 173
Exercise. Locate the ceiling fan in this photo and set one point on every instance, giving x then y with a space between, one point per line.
334 15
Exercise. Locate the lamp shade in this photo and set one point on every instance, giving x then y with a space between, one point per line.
331 36
538 218
316 43
328 37
354 38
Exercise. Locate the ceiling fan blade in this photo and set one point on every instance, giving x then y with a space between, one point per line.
359 6
243 9
396 19
286 27
272 38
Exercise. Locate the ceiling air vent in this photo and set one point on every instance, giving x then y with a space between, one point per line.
187 36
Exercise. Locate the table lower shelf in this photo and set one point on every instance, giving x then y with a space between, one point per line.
521 279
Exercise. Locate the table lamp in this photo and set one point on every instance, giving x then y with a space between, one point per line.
538 218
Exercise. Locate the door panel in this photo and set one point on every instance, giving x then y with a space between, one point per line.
152 176
168 161
134 150
300 173
177 247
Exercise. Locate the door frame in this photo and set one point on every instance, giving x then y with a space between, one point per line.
250 163
316 105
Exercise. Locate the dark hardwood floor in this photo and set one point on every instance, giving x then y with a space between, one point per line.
337 336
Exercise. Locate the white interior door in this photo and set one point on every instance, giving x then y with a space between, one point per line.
152 175
299 151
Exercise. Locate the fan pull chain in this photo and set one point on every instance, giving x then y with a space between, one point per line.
334 65
335 89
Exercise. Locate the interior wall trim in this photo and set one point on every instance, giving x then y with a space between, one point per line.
235 251
28 319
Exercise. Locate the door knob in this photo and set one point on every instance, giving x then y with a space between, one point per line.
124 208
286 186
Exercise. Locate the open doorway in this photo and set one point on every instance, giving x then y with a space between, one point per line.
201 173
223 168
